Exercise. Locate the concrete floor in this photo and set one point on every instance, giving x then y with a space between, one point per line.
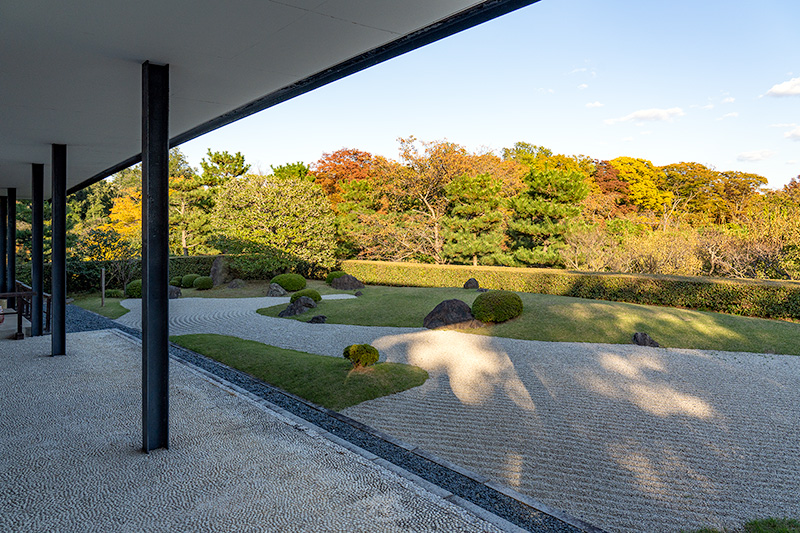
70 459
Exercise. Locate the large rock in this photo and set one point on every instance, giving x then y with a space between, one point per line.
471 283
276 290
451 313
220 273
347 283
643 339
318 319
236 284
174 292
298 307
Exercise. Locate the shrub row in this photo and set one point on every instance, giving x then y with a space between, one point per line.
765 299
84 276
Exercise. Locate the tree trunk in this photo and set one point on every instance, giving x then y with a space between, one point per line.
474 260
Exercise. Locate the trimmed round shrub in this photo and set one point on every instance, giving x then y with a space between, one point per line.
311 293
187 281
115 293
290 282
497 306
203 283
333 275
177 281
134 289
361 354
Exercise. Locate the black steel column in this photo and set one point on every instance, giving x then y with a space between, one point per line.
58 203
37 237
155 256
3 229
11 246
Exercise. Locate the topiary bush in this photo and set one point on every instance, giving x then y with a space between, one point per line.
311 293
290 282
134 289
361 354
497 306
203 283
115 293
187 281
177 281
334 275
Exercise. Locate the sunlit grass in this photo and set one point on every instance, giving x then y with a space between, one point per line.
766 525
328 381
566 319
91 302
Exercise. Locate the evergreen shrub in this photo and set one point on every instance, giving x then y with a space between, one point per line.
764 299
361 354
311 293
290 282
187 282
177 281
115 293
203 283
497 306
134 289
334 275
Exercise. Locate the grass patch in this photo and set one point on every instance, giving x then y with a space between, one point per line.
328 381
765 525
567 319
91 302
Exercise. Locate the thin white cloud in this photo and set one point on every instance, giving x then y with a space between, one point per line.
650 115
583 86
793 134
594 104
787 88
577 70
728 100
784 125
729 115
755 155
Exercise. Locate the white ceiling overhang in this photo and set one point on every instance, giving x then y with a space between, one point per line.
70 72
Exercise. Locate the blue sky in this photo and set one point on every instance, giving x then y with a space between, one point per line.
710 81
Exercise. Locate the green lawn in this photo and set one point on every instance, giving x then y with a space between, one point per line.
560 318
766 525
91 302
328 381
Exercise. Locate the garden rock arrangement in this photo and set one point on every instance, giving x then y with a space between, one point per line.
451 313
471 283
346 283
276 290
174 292
298 307
643 339
220 273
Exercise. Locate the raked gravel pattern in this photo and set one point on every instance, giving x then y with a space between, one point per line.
70 459
629 438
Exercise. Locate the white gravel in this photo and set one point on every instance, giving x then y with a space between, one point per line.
628 438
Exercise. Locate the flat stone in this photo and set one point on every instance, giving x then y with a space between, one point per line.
643 339
318 319
471 283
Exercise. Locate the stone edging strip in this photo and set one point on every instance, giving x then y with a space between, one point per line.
493 502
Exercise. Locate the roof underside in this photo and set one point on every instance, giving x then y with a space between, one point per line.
70 72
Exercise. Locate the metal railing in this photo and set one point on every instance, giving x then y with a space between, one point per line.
25 304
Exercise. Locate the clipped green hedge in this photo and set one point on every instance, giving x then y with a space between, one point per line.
203 283
361 354
290 282
497 306
187 282
311 293
765 299
134 289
